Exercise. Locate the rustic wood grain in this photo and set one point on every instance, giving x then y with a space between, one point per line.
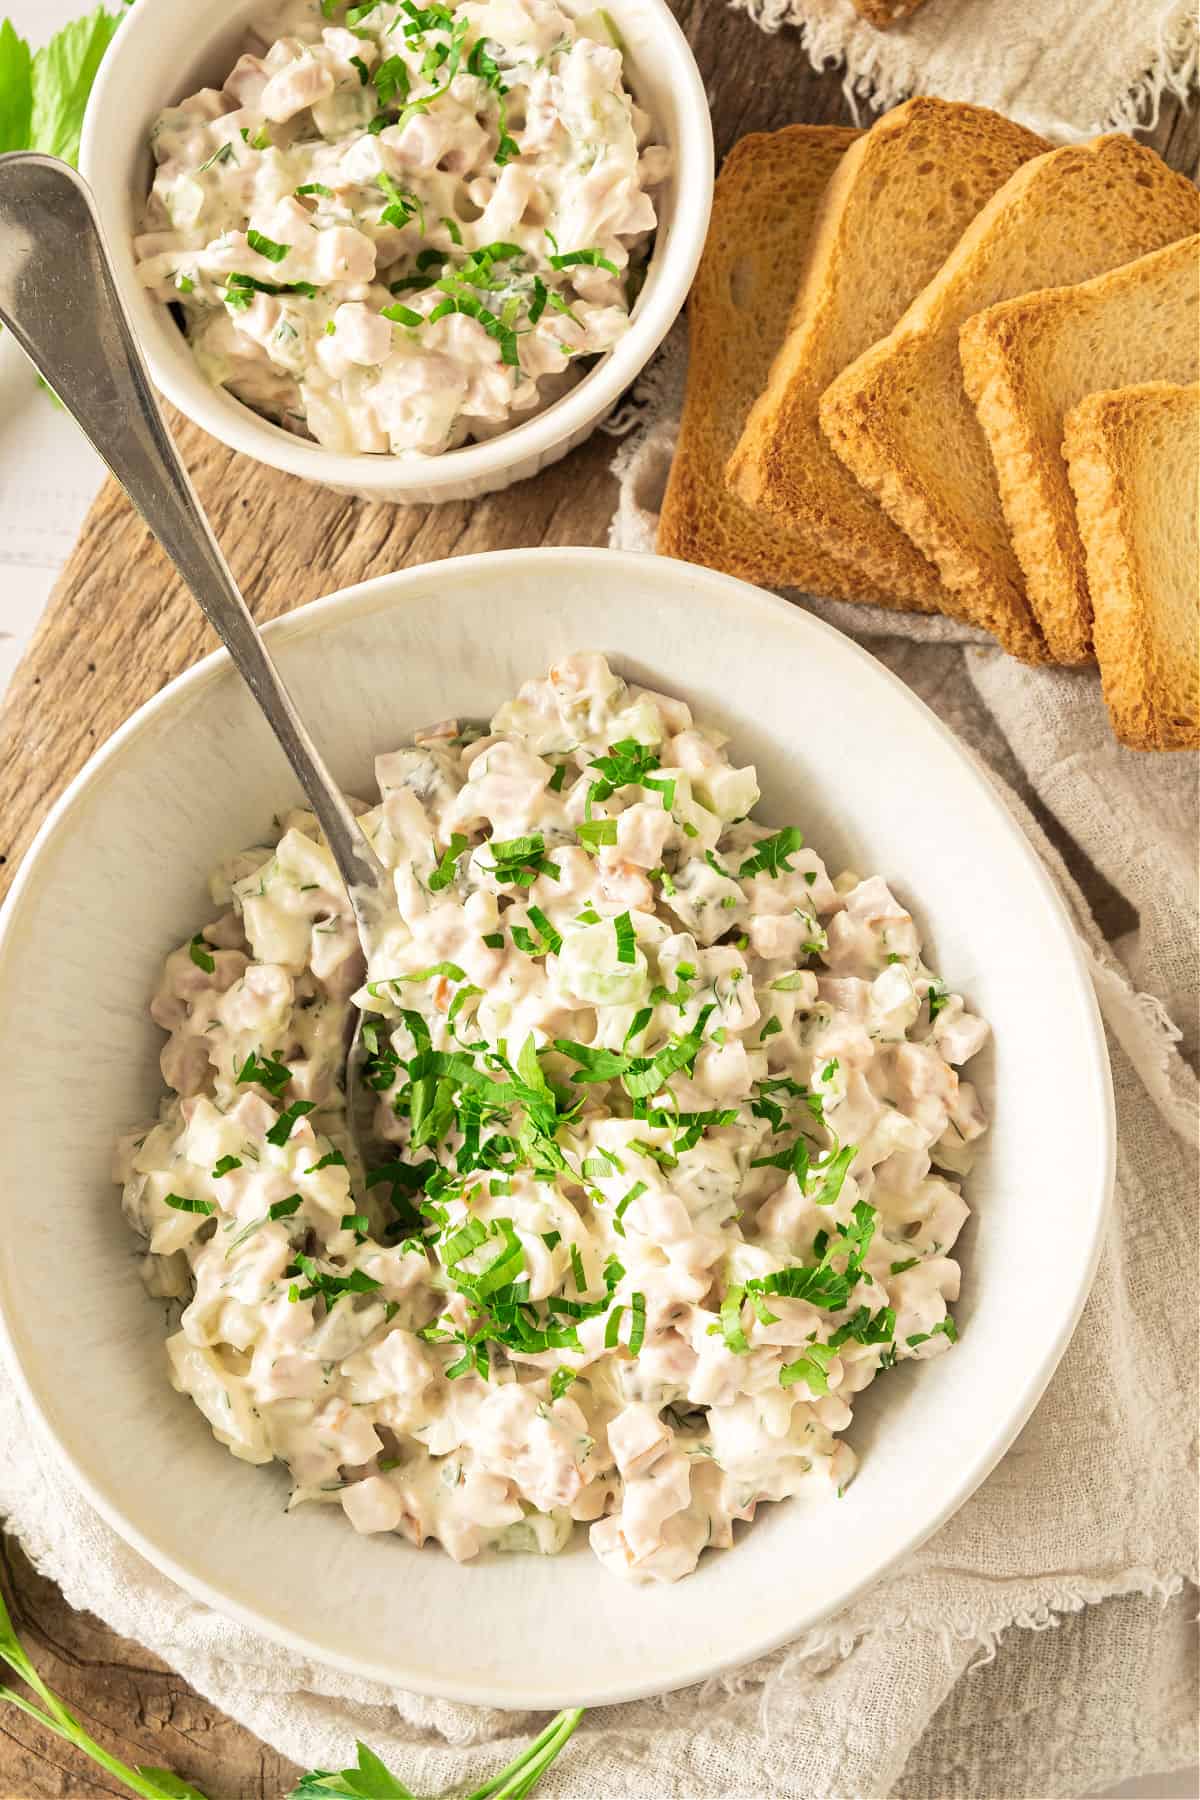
119 626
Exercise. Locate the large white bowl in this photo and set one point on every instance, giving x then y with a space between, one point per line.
117 877
165 50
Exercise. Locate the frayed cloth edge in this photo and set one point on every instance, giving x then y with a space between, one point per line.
1173 69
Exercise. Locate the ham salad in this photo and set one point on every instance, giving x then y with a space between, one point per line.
397 228
666 1156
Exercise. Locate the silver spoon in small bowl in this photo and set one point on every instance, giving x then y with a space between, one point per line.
60 301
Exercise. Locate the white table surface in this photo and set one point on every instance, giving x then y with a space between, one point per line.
49 476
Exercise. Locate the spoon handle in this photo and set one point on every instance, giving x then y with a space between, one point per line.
59 299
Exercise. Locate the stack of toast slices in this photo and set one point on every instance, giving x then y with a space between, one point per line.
943 367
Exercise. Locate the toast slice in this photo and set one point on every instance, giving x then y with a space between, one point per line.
899 416
926 169
1026 362
1133 457
763 208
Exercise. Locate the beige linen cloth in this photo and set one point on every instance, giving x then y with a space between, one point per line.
987 1665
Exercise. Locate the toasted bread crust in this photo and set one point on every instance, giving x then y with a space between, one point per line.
1133 457
763 208
1027 362
929 165
899 416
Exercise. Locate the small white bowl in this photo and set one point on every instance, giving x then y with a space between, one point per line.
165 51
117 878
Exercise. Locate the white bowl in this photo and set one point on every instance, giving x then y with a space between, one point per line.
165 51
117 877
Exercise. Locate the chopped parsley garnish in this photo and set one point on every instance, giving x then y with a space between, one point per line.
561 1380
443 875
517 862
638 1024
635 1193
550 938
625 764
770 855
641 1076
392 81
356 62
266 246
283 1209
281 1130
181 1203
226 1165
332 1160
267 1071
910 1262
494 940
240 290
315 187
450 970
938 998
595 832
402 205
497 327
626 938
201 955
329 1285
401 315
730 1320
811 1368
833 1175
573 259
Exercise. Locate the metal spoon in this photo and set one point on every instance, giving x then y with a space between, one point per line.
59 300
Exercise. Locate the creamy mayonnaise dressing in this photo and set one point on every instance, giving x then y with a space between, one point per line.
671 1137
395 228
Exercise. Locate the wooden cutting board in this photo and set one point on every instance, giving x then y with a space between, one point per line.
120 624
117 628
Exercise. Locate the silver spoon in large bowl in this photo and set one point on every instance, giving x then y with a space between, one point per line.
60 301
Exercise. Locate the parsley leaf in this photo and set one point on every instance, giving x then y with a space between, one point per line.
623 765
266 246
443 875
572 259
626 938
770 856
595 832
519 861
181 1203
201 955
267 1071
810 1368
281 1130
61 79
